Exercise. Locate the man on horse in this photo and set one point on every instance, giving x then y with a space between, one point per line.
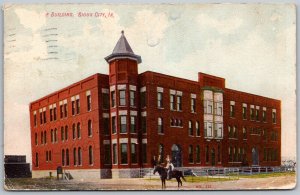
169 167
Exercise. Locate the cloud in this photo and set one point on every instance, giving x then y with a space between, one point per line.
223 26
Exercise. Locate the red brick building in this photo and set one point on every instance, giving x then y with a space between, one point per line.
113 125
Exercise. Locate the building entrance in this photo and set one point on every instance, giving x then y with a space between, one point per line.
255 159
176 155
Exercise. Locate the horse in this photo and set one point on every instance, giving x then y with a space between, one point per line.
163 173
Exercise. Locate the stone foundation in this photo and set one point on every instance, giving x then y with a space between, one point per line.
76 174
125 173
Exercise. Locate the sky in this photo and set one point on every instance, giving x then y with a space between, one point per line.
252 46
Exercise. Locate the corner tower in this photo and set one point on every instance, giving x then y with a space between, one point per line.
123 77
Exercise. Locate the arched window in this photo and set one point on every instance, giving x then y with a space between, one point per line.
191 132
79 156
206 154
36 159
78 131
52 136
160 125
50 157
244 133
191 154
67 157
219 153
89 128
63 157
55 135
197 129
62 133
91 155
74 157
45 137
66 133
74 130
46 156
198 159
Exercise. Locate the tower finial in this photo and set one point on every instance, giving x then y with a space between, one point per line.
122 32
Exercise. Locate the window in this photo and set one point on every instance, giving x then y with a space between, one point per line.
61 109
143 99
252 113
78 131
244 112
132 124
62 133
197 129
55 113
55 135
235 133
66 133
143 124
207 129
79 156
114 124
45 137
74 157
144 153
219 153
179 107
42 137
50 157
191 155
123 124
244 133
34 119
115 154
77 106
74 131
218 130
41 117
63 157
90 131
219 108
44 115
133 153
73 107
106 126
46 156
66 109
36 159
113 99
67 157
52 136
36 138
232 113
274 116
105 99
191 131
159 99
229 154
264 116
160 127
89 102
172 102
51 114
206 154
122 98
124 153
107 154
198 159
208 107
257 114
132 98
91 160
193 105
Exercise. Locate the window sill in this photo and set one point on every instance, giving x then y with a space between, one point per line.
124 164
123 133
177 126
161 134
160 108
233 138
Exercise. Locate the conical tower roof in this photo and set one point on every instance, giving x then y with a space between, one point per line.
123 50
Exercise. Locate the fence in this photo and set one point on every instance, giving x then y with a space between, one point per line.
218 173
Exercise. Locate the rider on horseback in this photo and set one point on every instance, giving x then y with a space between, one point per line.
169 167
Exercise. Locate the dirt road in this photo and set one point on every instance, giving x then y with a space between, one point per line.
282 182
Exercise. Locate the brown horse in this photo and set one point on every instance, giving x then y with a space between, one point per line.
163 173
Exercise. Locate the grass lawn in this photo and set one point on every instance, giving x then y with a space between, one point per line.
201 179
265 175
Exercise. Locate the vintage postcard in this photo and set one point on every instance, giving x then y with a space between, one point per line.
149 96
